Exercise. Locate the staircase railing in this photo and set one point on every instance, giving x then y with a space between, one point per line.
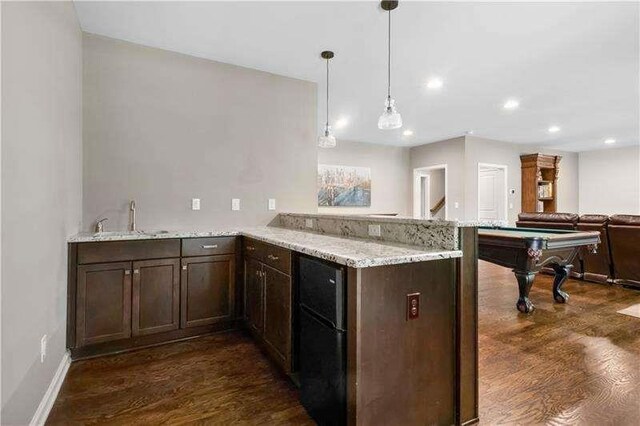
438 206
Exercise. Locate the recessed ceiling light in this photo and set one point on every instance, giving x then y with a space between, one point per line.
511 104
609 141
434 83
408 133
341 122
554 129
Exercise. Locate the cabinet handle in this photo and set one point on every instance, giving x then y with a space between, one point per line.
184 267
258 273
212 246
272 257
250 248
127 272
136 271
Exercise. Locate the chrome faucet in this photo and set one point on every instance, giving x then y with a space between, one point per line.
132 216
100 226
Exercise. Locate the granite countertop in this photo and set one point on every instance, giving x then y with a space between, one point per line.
90 237
352 252
404 220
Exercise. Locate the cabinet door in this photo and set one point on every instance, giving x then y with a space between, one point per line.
156 296
277 315
207 289
254 295
103 304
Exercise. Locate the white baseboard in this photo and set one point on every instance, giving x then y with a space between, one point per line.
41 414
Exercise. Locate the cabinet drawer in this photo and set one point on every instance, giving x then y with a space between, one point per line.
208 246
274 256
117 251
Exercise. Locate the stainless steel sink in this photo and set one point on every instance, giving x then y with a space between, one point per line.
157 232
129 233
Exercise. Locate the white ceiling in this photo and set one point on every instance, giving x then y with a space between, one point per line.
574 65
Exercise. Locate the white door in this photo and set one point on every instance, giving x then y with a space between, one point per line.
491 194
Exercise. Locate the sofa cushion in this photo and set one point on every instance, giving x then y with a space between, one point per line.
625 219
548 217
593 218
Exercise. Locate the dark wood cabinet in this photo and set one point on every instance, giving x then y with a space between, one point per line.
103 303
207 290
268 299
254 288
156 296
277 313
129 294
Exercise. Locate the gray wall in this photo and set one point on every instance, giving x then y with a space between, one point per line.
480 150
162 128
451 153
610 181
462 156
41 192
390 175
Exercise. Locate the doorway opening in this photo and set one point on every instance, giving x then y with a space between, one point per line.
429 192
492 192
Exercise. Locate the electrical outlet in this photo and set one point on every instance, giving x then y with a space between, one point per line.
195 204
413 306
456 205
235 204
308 223
272 203
43 348
374 230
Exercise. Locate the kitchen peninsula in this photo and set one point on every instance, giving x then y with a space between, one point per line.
410 293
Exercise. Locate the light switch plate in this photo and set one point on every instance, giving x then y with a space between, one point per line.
195 204
235 204
272 203
374 230
43 348
511 205
308 223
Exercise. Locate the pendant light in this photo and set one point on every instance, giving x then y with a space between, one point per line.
327 140
390 118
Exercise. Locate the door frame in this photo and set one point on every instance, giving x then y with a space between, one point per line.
505 168
418 174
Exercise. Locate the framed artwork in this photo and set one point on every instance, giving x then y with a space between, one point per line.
344 186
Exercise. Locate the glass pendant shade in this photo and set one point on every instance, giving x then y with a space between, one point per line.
390 118
327 140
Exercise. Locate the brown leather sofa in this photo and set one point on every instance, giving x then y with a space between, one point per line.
547 220
624 238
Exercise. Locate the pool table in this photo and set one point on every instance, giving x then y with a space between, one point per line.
528 250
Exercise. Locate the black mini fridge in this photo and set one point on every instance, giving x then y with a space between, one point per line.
323 350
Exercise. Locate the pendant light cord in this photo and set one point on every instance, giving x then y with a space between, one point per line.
389 60
327 93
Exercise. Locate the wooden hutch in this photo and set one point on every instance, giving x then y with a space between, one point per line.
539 182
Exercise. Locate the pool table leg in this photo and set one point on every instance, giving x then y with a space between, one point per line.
525 280
562 272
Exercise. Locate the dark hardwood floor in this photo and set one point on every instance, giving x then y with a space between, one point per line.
577 363
221 379
565 364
